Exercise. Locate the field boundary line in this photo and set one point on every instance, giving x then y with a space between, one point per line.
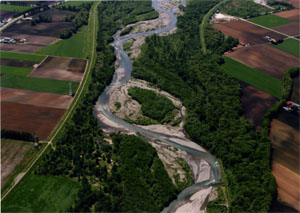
267 28
72 107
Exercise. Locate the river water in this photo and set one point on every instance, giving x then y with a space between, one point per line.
121 77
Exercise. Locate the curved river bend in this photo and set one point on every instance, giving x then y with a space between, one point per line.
121 77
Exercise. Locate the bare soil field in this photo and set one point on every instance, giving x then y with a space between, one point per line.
31 39
61 69
55 14
35 98
290 14
21 48
51 29
6 14
30 118
246 32
291 29
13 154
265 58
17 63
256 103
288 185
296 3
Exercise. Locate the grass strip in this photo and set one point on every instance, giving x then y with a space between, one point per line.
21 56
8 70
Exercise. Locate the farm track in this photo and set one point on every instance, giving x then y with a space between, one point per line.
69 112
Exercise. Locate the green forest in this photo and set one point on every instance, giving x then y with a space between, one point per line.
176 64
153 105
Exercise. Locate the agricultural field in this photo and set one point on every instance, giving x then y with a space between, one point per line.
290 46
293 15
30 118
253 77
76 47
39 193
55 14
270 20
270 60
246 32
295 3
17 63
8 70
60 69
15 156
291 29
255 103
14 8
285 135
21 56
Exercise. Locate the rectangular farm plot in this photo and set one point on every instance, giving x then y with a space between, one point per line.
17 63
246 32
35 98
21 56
293 15
269 20
8 70
291 29
265 58
295 3
30 118
290 46
256 103
67 69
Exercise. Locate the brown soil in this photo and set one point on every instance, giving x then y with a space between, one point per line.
246 32
55 14
291 29
31 39
266 58
51 29
288 185
296 90
17 63
256 103
61 69
290 14
30 118
13 154
296 3
35 98
21 48
6 14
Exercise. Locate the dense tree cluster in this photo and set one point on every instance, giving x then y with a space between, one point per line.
79 18
153 105
124 176
215 117
40 19
15 135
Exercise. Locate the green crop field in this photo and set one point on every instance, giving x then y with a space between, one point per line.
289 45
14 8
76 47
37 84
8 70
253 77
71 3
39 193
22 56
270 20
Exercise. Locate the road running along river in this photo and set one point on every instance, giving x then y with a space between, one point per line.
121 77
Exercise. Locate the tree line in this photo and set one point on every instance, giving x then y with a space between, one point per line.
215 120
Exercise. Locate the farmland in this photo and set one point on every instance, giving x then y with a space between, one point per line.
290 46
246 32
270 20
8 70
15 155
291 29
17 63
293 15
14 8
253 77
37 193
265 58
76 46
255 103
60 69
21 56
